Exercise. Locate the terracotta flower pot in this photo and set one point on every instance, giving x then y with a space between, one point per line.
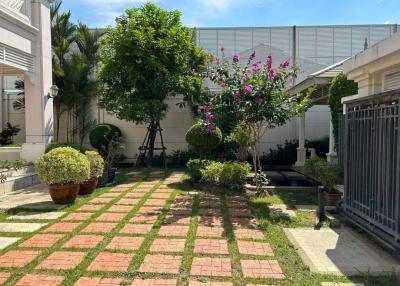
64 194
332 198
88 187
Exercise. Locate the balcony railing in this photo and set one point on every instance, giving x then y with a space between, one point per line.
19 8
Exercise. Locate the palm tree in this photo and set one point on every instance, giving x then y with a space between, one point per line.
62 37
88 43
80 84
73 72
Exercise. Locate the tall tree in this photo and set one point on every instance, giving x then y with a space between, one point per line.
148 56
256 93
75 56
62 37
85 63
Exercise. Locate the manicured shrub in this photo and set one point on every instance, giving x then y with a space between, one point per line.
203 139
211 173
233 175
96 164
77 147
62 166
194 168
101 136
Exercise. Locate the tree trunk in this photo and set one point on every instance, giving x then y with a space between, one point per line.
58 116
152 140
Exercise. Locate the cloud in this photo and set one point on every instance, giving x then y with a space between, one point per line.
214 7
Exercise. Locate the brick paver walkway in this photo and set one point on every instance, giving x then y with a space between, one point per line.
146 234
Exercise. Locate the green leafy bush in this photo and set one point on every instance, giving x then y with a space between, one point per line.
101 136
211 173
96 164
286 154
194 168
283 155
311 166
202 139
77 147
323 171
233 175
62 166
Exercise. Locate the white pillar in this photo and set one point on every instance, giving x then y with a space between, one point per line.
332 155
302 151
38 107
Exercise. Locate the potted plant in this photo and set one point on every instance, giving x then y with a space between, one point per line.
328 175
106 138
63 169
96 171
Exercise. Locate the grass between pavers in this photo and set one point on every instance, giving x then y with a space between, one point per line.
296 272
293 197
71 276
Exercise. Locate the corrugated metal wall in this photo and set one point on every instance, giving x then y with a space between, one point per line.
315 47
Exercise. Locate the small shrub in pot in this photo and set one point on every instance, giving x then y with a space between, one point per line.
96 171
328 175
63 169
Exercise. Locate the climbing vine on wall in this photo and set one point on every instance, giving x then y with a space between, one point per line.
340 87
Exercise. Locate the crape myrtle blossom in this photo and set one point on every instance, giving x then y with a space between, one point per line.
285 64
255 92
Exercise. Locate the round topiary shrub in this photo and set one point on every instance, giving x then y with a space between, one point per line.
77 147
101 136
202 139
63 166
96 164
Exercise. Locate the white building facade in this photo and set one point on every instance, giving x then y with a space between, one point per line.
25 51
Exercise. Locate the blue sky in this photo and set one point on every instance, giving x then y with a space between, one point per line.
228 13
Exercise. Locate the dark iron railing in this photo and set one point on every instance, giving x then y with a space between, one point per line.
369 150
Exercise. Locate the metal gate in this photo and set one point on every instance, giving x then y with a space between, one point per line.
369 150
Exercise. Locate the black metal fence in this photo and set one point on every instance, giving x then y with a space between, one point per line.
369 150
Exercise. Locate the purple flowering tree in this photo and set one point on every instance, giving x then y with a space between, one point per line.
254 92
